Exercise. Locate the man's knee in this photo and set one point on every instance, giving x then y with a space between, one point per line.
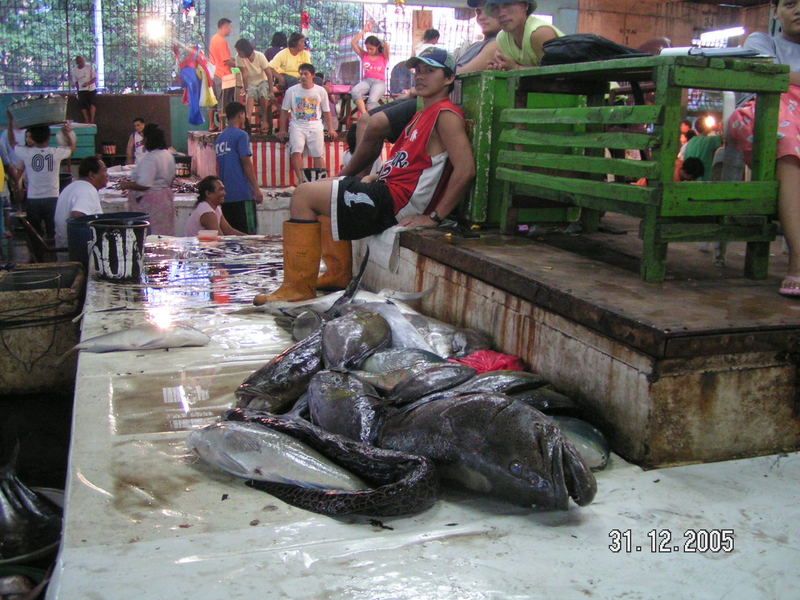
377 129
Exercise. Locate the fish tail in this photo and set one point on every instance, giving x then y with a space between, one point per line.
67 354
351 288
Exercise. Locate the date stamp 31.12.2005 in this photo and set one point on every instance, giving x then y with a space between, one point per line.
663 541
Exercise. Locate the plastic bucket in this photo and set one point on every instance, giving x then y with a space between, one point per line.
117 248
314 173
79 235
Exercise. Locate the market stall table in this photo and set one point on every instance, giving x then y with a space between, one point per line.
144 519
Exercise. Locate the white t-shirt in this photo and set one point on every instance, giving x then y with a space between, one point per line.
78 196
138 146
80 77
155 170
42 166
306 105
193 224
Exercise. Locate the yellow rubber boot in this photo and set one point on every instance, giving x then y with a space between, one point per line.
301 254
338 258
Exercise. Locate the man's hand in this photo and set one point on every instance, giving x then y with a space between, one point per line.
230 62
282 136
418 221
370 178
259 196
502 63
332 135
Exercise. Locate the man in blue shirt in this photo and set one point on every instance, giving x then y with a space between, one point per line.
235 167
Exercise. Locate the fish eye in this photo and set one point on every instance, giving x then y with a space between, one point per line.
515 468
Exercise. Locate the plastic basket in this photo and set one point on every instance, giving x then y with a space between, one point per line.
39 111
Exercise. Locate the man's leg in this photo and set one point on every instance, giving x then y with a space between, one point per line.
92 112
296 162
310 200
266 122
368 148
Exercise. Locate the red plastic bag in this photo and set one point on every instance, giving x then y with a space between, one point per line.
484 361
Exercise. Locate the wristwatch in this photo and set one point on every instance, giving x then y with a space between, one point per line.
434 217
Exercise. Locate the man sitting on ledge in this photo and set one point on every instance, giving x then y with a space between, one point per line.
327 213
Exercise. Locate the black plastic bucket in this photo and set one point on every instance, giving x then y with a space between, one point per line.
117 250
79 235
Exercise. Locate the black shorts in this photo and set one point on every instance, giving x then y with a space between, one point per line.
399 114
241 215
86 98
359 210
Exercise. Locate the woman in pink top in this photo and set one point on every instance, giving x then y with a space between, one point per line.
374 58
208 212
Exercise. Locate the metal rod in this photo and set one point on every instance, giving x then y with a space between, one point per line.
139 41
69 58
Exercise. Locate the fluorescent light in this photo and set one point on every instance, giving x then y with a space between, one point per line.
710 37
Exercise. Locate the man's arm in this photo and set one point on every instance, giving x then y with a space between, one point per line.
325 103
453 135
250 173
129 151
283 122
481 62
71 141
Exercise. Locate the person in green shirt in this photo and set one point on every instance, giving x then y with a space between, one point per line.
520 44
703 146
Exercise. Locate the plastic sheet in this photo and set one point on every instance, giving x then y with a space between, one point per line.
145 519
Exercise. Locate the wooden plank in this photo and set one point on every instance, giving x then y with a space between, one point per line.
605 115
719 198
622 141
764 146
568 185
583 164
723 79
713 232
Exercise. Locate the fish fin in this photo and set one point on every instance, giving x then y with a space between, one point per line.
229 464
407 296
580 481
351 288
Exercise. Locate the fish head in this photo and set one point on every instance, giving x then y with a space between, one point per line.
510 450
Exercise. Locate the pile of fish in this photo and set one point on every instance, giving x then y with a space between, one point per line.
28 521
363 414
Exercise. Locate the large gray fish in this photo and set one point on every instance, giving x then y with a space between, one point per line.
342 403
144 337
494 445
589 441
278 384
401 483
547 400
448 341
252 451
505 382
348 340
398 358
28 520
386 382
404 334
429 380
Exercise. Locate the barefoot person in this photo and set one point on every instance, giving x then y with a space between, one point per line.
326 213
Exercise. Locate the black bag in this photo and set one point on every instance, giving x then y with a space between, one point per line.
584 47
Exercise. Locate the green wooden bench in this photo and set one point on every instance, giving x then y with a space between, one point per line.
521 157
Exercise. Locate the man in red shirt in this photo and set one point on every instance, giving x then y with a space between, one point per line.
220 54
328 212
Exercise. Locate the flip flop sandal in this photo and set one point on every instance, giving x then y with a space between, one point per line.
790 286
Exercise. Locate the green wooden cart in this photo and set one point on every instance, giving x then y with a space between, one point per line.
536 162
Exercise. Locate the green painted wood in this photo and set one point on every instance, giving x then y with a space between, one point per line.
722 79
713 232
719 198
756 259
583 164
764 137
623 141
605 115
613 191
652 267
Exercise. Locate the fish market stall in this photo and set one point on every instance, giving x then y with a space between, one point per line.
145 518
270 214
